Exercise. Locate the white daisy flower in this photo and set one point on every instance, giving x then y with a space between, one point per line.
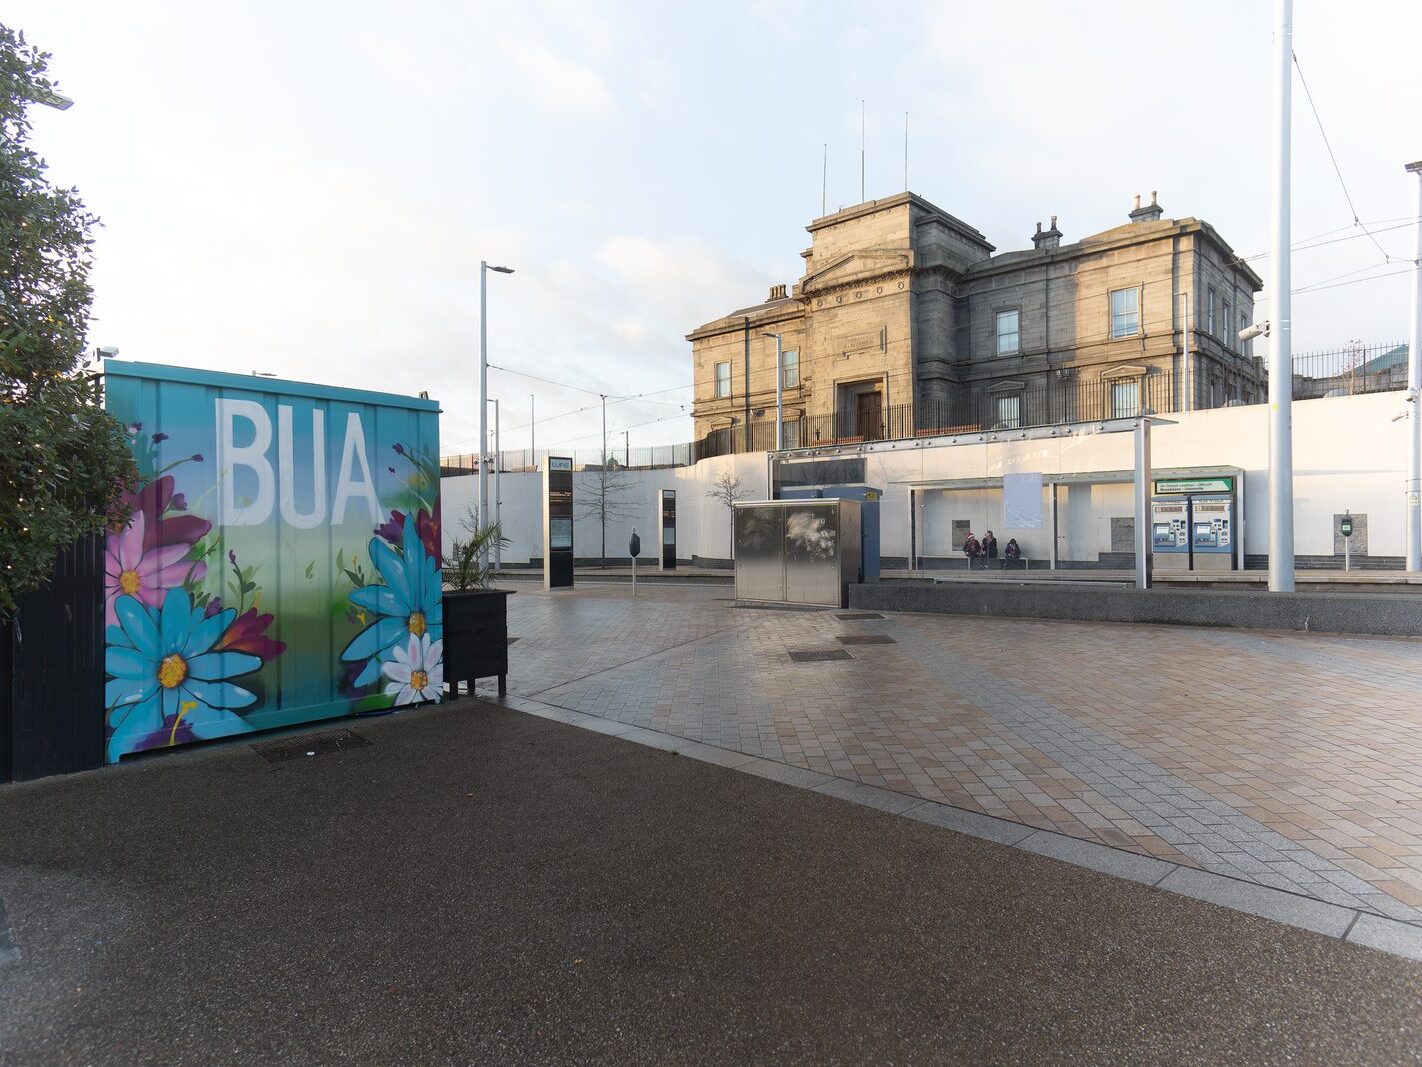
417 672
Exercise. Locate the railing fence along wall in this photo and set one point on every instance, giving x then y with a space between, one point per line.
1347 371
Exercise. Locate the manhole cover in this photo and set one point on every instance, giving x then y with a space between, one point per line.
860 615
304 745
819 655
867 639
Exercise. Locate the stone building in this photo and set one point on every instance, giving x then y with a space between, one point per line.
907 322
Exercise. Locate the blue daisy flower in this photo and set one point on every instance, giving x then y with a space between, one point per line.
164 670
409 604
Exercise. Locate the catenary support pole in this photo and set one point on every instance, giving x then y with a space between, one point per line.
1281 378
1144 562
1414 393
498 483
483 393
779 394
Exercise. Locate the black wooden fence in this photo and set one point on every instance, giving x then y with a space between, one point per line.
52 671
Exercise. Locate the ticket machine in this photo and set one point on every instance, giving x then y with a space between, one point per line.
1194 525
1170 533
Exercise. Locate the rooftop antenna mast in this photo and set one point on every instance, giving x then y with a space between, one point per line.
824 182
905 151
861 151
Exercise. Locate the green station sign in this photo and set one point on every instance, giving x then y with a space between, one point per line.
1194 485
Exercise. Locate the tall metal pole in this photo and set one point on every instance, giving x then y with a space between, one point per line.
1281 378
498 484
602 474
1414 393
1144 543
483 392
626 448
532 434
779 395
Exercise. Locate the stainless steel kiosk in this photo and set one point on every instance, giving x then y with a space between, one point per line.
797 551
558 523
667 556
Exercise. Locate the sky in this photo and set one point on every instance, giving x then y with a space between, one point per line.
307 188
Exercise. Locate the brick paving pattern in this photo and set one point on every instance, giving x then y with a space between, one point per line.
1293 761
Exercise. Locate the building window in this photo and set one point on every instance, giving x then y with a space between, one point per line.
1224 325
1125 400
723 379
1009 332
790 433
1210 328
1009 411
1125 312
1244 346
790 369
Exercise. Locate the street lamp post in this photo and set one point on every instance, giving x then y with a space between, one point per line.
1414 393
484 269
1281 378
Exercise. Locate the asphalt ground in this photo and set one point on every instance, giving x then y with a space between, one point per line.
483 886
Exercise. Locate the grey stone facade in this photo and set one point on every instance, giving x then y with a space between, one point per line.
899 308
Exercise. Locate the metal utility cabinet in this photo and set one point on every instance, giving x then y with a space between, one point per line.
797 551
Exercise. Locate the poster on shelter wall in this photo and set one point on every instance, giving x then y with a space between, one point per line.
282 561
1022 501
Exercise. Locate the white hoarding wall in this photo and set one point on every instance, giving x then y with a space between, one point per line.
1349 455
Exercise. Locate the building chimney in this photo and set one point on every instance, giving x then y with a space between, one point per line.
777 292
1047 240
1146 214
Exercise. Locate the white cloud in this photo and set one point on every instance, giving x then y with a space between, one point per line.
561 86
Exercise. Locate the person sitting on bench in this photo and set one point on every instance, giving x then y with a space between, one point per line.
1012 554
971 548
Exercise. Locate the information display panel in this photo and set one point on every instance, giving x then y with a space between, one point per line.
558 523
668 554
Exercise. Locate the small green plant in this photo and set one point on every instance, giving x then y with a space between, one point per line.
470 563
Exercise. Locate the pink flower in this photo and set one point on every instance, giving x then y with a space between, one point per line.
144 571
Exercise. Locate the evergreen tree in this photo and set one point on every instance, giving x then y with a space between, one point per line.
65 463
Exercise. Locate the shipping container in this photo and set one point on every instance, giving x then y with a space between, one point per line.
282 564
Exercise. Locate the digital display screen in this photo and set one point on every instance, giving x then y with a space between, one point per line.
555 464
560 533
669 535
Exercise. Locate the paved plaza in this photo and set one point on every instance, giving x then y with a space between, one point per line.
1293 761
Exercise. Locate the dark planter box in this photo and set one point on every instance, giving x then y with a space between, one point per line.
476 637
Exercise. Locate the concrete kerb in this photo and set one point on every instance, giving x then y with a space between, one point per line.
1344 613
1332 920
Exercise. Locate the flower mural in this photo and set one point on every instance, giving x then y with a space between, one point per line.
410 603
152 554
171 679
226 604
415 671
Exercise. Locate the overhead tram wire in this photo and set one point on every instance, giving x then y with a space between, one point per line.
1334 159
1312 287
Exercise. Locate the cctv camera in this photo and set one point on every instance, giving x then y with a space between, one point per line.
1259 329
108 351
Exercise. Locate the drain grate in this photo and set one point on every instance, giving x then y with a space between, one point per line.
860 615
303 745
819 655
867 639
